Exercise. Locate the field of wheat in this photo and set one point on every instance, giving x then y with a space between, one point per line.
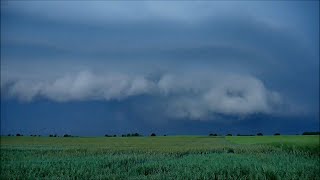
170 157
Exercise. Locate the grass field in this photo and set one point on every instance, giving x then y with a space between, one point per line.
171 157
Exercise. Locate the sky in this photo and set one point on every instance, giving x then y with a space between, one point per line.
169 67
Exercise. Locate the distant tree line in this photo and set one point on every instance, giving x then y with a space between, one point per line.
245 135
131 135
311 133
67 135
110 135
260 134
153 134
136 135
106 135
34 135
229 134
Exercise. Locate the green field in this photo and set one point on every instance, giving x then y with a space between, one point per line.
171 157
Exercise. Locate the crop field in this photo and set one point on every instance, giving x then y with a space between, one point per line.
170 157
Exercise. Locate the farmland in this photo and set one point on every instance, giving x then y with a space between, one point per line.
171 157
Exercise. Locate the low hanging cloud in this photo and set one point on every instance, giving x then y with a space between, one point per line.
233 95
81 86
191 95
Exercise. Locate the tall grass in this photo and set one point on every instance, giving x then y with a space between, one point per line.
152 158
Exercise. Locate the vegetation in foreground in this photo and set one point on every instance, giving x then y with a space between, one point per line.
171 157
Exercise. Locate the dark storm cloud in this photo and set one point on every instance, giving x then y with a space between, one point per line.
200 59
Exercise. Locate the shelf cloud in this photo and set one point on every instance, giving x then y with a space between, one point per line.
187 95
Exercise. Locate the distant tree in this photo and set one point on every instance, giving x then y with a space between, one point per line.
259 134
18 134
123 135
210 134
128 135
229 135
153 134
165 135
311 133
106 135
55 135
136 134
9 134
67 135
277 134
114 135
50 135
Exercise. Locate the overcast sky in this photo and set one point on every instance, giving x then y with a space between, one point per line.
187 67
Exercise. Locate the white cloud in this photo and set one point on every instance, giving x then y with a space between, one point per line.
25 90
192 95
228 94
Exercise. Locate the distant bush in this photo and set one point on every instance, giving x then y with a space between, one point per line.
153 134
50 135
165 135
229 135
213 134
259 134
9 134
311 133
67 135
114 135
277 134
19 134
123 135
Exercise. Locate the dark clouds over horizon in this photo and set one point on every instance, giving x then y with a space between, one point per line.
158 63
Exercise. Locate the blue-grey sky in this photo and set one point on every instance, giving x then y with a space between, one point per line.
180 67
